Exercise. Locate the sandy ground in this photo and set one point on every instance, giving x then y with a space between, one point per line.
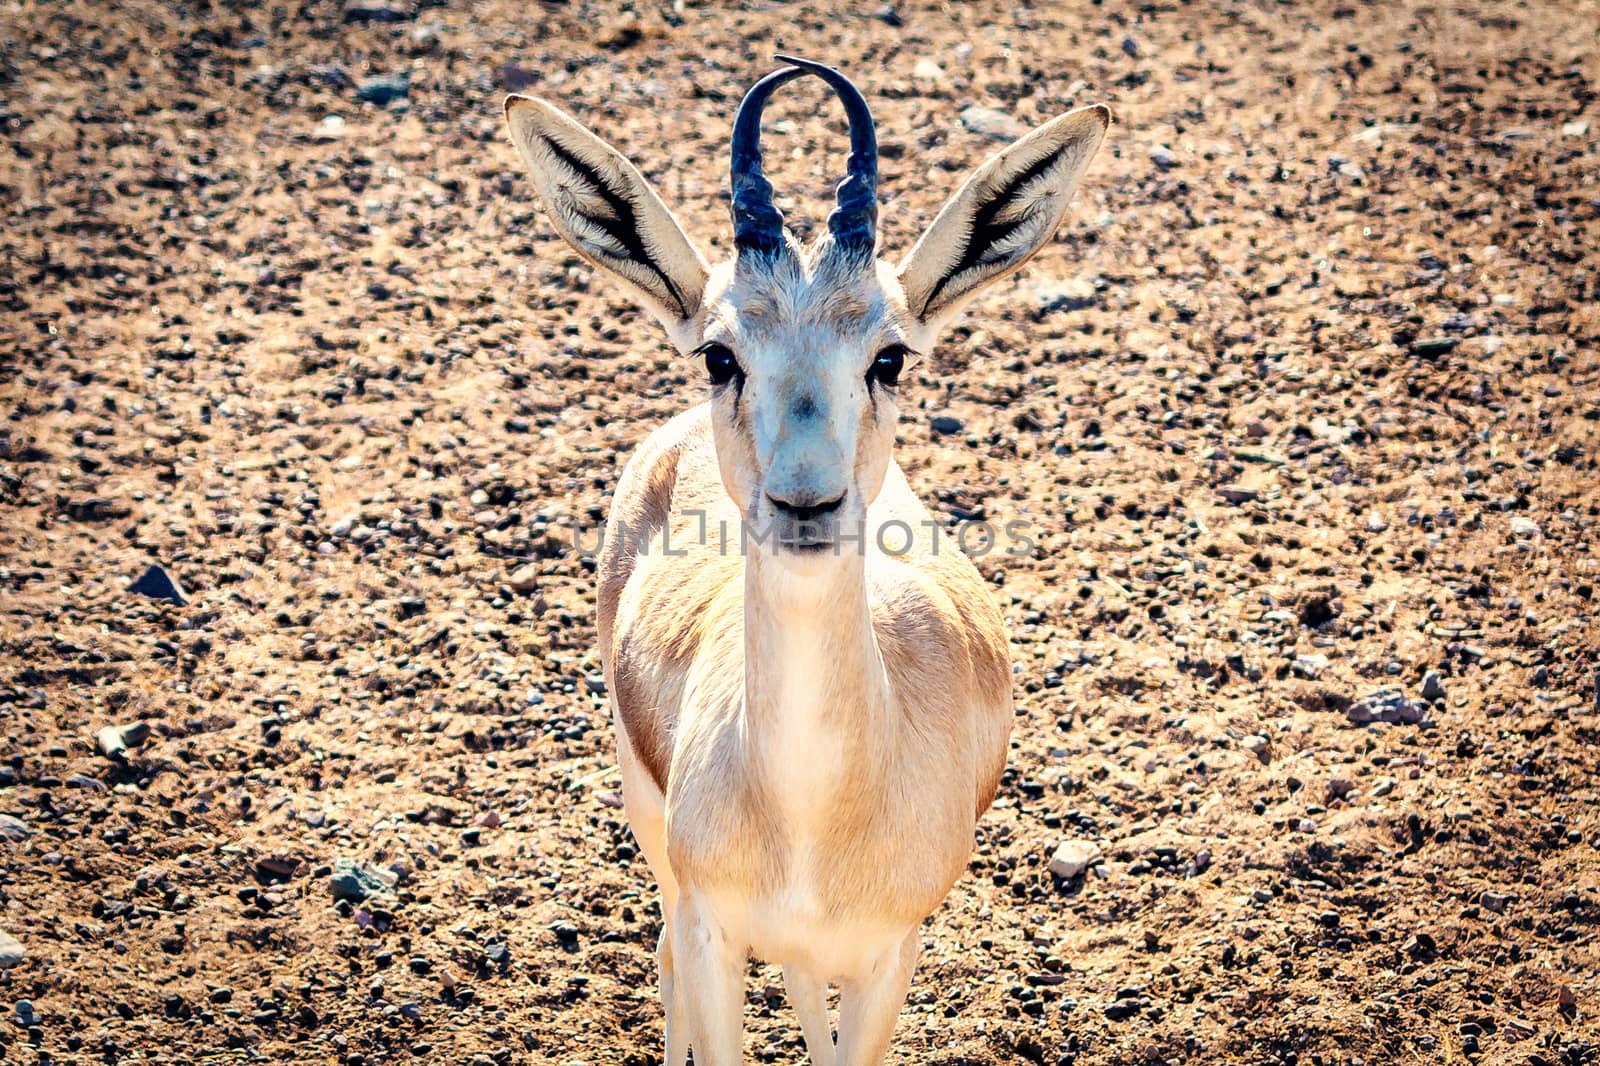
1303 404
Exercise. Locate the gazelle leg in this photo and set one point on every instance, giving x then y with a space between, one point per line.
870 1006
810 999
708 983
677 1033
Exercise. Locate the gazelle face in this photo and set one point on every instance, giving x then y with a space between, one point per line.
804 357
803 348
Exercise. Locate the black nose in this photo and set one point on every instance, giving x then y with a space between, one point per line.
806 509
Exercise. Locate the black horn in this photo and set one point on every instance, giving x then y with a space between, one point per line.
854 223
757 224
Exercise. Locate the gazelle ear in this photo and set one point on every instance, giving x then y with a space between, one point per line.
1004 214
610 215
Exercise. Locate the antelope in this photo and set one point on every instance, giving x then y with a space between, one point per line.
809 718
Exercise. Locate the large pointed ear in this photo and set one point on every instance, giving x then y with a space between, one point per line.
609 213
1004 213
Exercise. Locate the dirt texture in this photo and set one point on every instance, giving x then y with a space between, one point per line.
1302 405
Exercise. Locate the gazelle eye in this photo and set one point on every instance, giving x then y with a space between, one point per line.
721 365
885 369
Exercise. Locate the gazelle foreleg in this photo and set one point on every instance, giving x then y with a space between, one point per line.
810 999
708 982
869 1006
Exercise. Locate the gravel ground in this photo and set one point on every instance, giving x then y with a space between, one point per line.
1302 406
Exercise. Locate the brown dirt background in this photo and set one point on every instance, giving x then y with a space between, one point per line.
345 385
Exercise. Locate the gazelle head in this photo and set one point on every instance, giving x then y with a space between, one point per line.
804 346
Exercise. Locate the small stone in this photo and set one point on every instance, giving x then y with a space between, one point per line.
1384 786
1255 744
1433 347
14 830
1432 686
1386 705
566 933
524 578
1310 667
927 70
1339 788
1376 523
331 128
157 584
889 15
382 89
25 1014
1235 495
357 883
11 951
1575 128
1130 47
992 123
1494 901
1162 157
1073 857
1523 526
595 683
115 740
379 10
277 867
945 425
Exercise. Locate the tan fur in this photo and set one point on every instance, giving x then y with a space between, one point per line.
942 643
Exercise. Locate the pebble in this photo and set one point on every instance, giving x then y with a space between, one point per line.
1494 901
1376 523
1432 686
1310 666
115 740
379 10
946 425
1384 786
357 883
11 951
1162 157
1235 495
927 70
1073 857
1386 705
331 128
992 123
14 830
1255 743
524 578
1575 128
157 584
382 89
1523 526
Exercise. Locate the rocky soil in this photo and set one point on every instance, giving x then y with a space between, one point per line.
1303 406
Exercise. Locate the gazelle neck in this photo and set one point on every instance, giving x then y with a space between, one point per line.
810 647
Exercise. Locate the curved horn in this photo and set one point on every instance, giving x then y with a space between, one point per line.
854 223
757 224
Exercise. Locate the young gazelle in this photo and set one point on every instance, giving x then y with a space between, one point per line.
811 712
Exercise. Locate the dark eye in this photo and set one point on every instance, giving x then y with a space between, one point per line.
885 369
721 366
